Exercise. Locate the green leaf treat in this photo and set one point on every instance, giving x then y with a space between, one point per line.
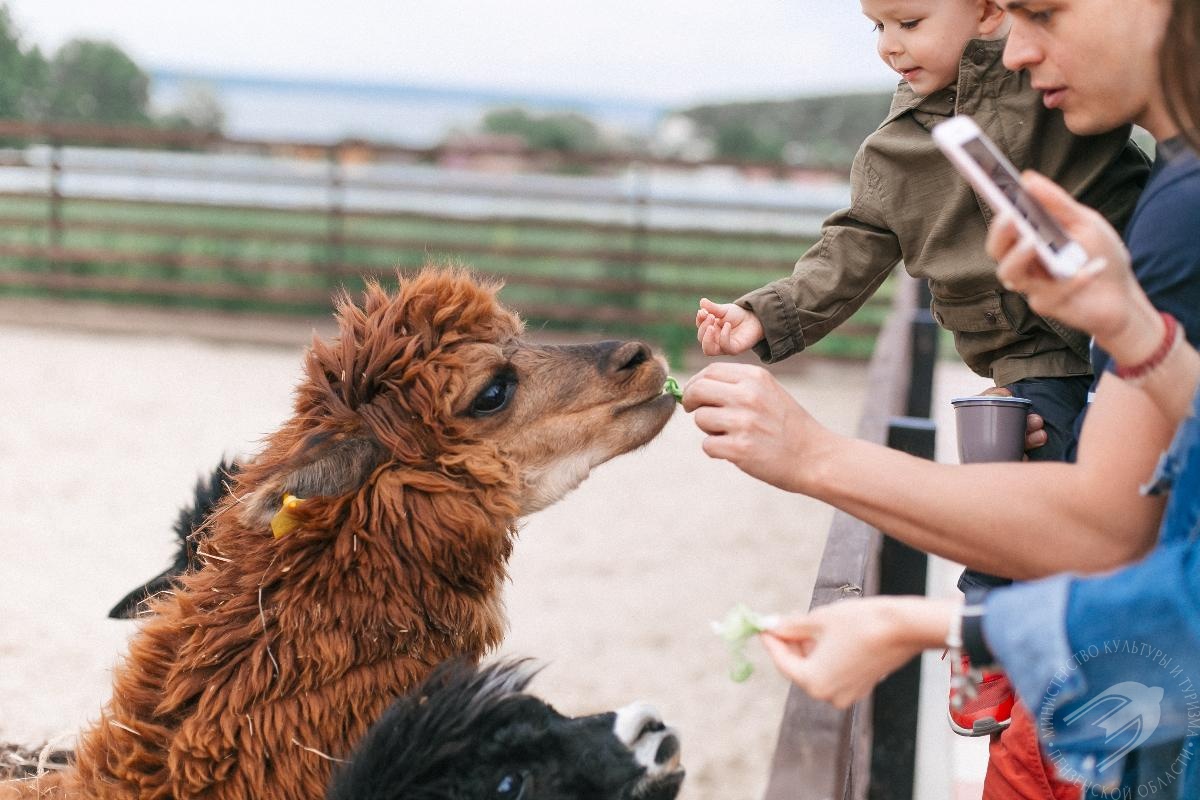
738 627
672 387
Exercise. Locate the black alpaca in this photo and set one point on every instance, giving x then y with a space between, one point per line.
471 733
207 494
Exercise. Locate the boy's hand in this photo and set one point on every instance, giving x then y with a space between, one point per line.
1035 426
726 329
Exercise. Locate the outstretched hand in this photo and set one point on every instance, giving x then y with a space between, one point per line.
838 652
726 329
753 422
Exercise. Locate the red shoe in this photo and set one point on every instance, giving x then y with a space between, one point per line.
980 707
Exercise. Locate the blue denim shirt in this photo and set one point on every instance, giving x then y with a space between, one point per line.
1109 665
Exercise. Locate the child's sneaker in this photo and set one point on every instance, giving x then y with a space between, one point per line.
986 708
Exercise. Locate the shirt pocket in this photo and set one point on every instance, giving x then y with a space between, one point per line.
985 328
980 313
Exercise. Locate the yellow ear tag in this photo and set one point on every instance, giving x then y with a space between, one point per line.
283 522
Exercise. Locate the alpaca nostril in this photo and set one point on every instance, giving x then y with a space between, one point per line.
629 356
668 749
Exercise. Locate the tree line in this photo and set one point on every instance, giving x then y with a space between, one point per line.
822 131
87 80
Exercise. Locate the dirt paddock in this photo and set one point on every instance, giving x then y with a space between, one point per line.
613 589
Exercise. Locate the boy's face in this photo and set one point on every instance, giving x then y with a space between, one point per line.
923 40
1097 60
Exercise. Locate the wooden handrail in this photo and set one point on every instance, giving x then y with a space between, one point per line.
823 753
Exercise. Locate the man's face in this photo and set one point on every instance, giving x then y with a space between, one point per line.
1097 60
923 40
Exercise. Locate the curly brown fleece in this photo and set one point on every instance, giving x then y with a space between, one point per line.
269 663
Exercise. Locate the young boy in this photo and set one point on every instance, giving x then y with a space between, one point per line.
908 203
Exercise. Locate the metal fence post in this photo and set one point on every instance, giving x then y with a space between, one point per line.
634 271
336 226
54 231
924 354
903 570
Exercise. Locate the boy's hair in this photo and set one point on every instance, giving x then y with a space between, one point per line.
1178 67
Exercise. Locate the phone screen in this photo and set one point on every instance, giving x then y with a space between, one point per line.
1009 184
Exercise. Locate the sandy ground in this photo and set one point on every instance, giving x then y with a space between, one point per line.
103 435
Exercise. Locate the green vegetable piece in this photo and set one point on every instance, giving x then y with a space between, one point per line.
737 628
740 672
672 387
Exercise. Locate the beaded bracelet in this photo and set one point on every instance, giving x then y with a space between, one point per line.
1171 336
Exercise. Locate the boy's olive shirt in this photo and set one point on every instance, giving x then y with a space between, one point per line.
909 203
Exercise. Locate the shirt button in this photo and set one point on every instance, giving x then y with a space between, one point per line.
979 57
990 316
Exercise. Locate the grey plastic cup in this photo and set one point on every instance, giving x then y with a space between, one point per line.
990 428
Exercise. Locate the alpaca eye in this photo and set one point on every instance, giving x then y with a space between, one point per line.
495 395
511 787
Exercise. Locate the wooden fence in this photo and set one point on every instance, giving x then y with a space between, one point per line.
823 753
129 215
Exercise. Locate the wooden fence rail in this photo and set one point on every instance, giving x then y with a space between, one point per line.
136 224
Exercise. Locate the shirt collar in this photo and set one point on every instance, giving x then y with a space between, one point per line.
981 62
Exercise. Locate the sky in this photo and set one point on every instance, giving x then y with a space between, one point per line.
663 51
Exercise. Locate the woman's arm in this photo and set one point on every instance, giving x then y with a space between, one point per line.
1022 520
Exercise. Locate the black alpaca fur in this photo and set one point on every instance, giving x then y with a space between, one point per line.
206 495
470 733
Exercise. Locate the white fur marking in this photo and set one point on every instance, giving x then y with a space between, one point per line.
551 483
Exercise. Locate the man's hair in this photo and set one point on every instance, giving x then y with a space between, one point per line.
1178 64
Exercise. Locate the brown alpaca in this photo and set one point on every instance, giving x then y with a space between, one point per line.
420 434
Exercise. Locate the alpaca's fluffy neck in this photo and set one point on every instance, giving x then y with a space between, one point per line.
276 656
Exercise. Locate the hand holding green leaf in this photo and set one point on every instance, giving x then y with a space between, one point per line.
737 628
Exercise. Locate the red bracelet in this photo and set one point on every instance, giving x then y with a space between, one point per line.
1160 353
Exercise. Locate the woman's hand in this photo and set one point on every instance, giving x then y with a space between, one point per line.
1103 298
726 328
838 652
754 423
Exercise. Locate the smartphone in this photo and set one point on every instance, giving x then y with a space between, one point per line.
994 177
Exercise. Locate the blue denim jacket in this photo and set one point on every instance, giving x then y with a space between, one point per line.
1109 665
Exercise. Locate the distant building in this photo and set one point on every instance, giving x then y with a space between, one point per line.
679 136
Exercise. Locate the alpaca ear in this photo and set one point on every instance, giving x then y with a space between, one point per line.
322 469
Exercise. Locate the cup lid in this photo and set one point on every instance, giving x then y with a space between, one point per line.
989 400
